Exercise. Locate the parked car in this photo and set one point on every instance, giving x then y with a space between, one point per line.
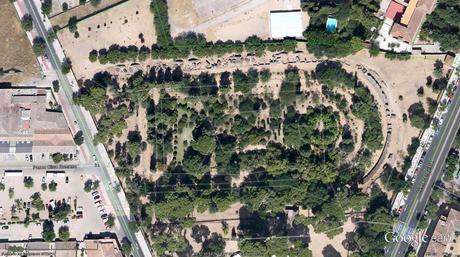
98 203
66 179
104 216
97 197
5 227
102 211
94 193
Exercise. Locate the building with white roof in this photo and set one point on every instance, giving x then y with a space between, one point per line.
286 24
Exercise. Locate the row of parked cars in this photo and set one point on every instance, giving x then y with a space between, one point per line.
100 206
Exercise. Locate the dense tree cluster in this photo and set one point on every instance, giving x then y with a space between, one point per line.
206 130
443 25
418 117
355 21
364 107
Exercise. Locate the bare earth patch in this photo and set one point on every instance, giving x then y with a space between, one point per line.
402 78
223 19
62 18
16 51
119 25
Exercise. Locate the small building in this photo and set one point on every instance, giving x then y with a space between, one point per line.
408 23
286 24
395 11
105 247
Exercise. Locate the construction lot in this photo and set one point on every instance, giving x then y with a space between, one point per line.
122 25
16 52
71 192
224 19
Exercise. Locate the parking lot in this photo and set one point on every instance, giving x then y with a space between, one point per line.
84 218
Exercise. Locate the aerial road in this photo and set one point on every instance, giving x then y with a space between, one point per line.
431 171
102 171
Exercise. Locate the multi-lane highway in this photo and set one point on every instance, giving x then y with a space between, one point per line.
76 112
431 170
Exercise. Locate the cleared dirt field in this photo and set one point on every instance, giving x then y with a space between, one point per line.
224 19
57 5
119 25
15 51
402 78
62 19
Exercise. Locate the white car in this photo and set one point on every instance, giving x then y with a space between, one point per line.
79 208
102 211
1 210
100 207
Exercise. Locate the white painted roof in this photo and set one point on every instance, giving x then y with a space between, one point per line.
286 24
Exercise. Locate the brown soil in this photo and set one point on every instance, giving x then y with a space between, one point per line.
81 11
15 51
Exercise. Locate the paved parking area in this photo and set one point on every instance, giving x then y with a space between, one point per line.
90 223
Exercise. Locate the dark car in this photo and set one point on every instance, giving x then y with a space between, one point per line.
97 197
104 216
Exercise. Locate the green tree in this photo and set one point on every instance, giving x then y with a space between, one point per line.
265 75
78 138
126 246
72 24
93 100
375 49
438 66
110 221
47 6
417 116
37 201
65 6
48 231
39 46
166 244
57 157
11 192
290 87
93 55
56 85
88 186
64 233
443 24
66 66
52 186
27 23
28 182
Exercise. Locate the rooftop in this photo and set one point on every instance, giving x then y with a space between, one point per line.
395 11
286 24
26 117
102 248
443 233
